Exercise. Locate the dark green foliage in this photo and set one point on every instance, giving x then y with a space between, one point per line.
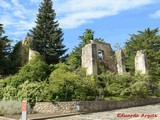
147 40
87 36
35 71
47 36
29 84
5 49
19 56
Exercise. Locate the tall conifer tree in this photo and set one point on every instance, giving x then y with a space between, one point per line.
5 49
47 36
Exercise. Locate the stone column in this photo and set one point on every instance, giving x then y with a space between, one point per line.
140 62
89 58
31 54
121 68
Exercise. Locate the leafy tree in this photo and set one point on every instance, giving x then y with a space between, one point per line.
47 36
87 36
19 56
5 49
74 59
145 40
62 83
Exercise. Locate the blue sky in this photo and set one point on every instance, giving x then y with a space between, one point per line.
112 20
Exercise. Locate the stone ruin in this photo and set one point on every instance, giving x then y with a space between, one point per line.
141 62
97 55
120 60
28 42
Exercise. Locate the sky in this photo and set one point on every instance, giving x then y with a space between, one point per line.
112 20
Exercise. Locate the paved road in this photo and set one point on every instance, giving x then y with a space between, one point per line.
149 112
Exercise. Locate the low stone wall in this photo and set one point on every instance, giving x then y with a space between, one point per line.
90 106
56 108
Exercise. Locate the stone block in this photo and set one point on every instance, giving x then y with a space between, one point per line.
120 62
140 62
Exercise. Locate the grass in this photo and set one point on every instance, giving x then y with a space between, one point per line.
11 107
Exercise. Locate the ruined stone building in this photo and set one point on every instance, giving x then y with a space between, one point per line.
99 57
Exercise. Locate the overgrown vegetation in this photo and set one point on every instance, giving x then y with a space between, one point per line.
48 78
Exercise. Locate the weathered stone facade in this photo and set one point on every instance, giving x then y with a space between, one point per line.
28 43
98 54
98 57
120 62
141 62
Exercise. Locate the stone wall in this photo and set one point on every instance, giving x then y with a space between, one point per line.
92 61
57 108
90 106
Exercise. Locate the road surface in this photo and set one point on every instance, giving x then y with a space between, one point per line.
149 112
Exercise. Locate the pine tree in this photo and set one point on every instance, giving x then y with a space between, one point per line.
47 36
5 49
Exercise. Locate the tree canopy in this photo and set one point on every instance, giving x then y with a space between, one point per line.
148 40
5 49
47 35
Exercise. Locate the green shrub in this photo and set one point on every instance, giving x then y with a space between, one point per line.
68 85
126 85
10 93
2 85
61 82
31 91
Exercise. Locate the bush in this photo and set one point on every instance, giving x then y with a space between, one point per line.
67 85
35 70
10 93
126 85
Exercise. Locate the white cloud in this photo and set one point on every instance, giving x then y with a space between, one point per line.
74 13
18 17
18 9
4 4
76 19
155 14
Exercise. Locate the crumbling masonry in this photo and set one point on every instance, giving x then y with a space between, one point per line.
99 57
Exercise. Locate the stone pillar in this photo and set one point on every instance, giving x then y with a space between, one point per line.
31 54
89 58
140 62
120 62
